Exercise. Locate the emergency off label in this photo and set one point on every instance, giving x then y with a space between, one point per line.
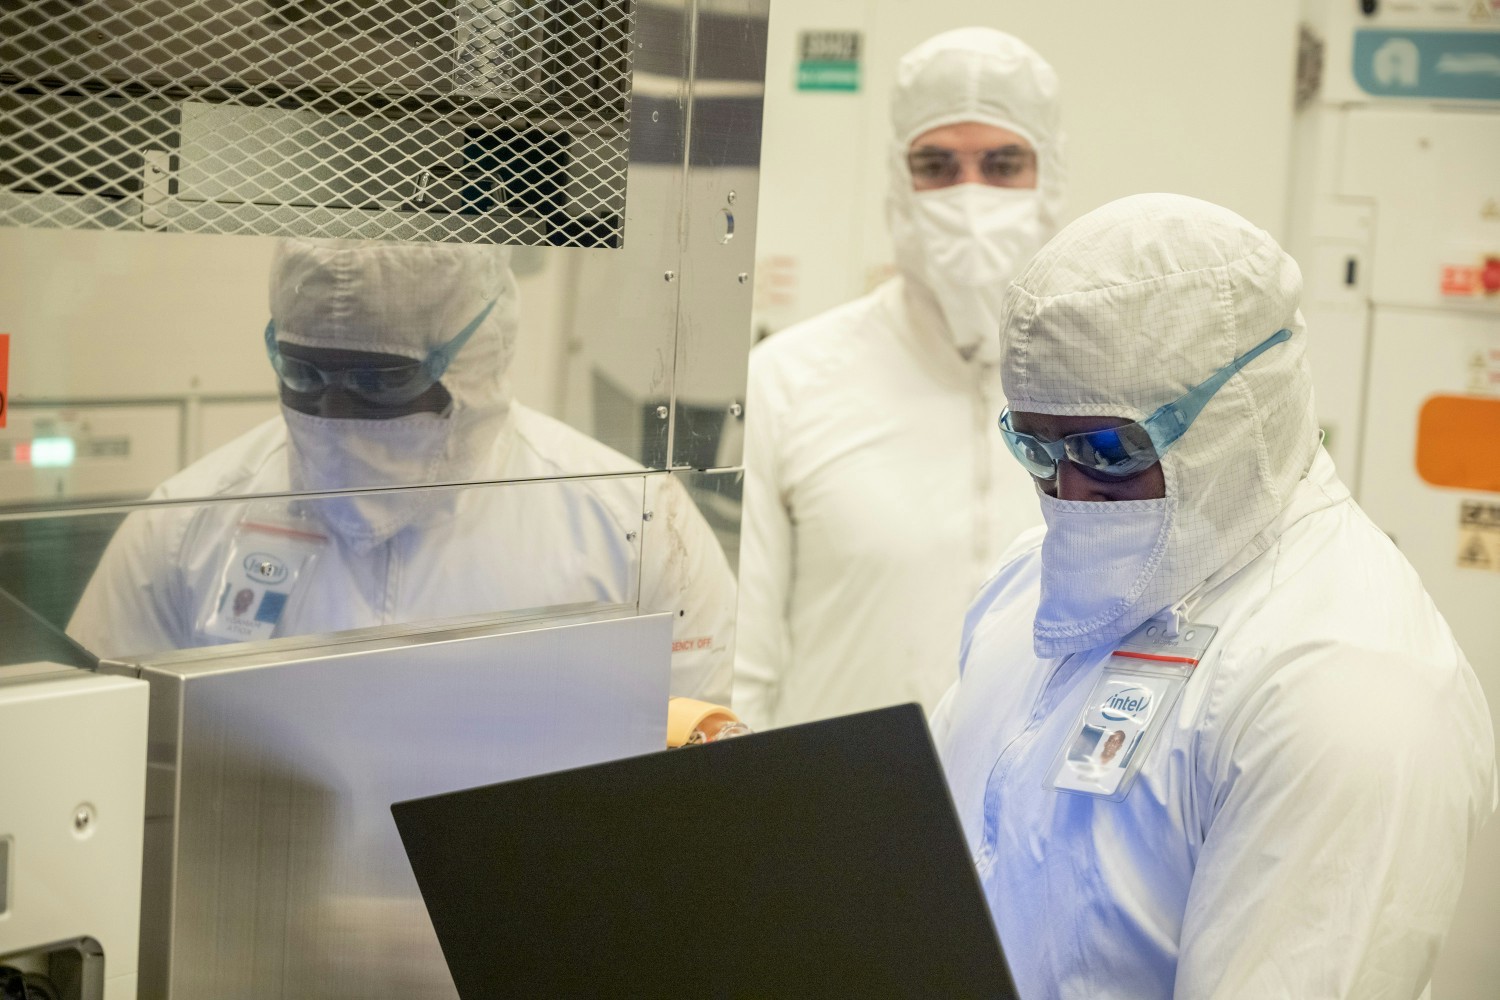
1478 280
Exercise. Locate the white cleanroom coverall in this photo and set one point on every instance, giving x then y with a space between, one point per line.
881 499
877 492
419 555
1299 828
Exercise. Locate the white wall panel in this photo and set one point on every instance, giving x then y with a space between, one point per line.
1165 95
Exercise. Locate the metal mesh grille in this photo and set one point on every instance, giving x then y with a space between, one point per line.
457 120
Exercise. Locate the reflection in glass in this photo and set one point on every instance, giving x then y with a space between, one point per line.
191 575
144 352
718 496
442 321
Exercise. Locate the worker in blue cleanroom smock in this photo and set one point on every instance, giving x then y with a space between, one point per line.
1211 737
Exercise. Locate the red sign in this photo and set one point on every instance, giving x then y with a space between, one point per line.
1470 279
1460 280
4 376
1489 276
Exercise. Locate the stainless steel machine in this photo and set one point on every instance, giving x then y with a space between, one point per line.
272 866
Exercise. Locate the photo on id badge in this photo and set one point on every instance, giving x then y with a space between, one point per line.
1101 746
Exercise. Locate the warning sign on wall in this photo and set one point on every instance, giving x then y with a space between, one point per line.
1479 535
1484 372
1480 279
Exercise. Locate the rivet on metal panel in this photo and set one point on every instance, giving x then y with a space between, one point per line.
630 536
736 410
661 412
743 277
648 515
730 197
83 818
669 276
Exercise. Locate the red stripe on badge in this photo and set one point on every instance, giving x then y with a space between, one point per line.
1158 658
276 529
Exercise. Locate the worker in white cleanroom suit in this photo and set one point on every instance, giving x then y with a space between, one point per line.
878 495
1211 737
392 363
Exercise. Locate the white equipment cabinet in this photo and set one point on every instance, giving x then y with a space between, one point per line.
1396 220
73 771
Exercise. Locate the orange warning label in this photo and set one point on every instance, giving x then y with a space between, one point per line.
1455 448
4 377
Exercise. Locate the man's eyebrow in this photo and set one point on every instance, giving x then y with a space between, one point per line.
1009 147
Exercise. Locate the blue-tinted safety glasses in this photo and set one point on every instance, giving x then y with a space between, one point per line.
1120 452
388 385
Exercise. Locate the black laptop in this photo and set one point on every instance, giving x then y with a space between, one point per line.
822 860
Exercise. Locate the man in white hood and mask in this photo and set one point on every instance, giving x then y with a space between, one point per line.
878 495
392 362
1206 587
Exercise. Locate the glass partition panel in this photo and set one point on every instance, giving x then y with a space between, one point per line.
166 576
721 202
681 539
135 355
717 495
202 372
177 576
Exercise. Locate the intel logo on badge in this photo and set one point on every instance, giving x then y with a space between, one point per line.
265 568
1126 705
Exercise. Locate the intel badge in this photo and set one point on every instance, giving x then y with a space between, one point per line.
263 567
1126 702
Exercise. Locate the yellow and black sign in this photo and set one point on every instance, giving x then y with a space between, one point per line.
1479 535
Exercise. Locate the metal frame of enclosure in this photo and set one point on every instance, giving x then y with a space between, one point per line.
616 142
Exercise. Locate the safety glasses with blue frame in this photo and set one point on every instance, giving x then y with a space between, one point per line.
387 385
1116 453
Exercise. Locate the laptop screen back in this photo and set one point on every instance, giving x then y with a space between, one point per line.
820 860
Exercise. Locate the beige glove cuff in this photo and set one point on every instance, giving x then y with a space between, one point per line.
686 714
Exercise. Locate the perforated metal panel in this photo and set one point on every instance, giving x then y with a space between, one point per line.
455 120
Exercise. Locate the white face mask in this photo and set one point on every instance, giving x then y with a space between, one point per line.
966 243
329 453
1099 563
